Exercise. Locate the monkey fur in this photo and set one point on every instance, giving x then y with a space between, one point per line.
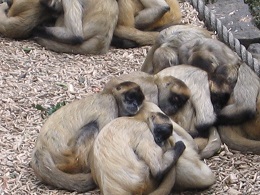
172 95
197 116
121 162
60 156
132 159
85 27
164 52
18 18
239 121
139 21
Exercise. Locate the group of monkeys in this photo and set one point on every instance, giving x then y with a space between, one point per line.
145 132
87 26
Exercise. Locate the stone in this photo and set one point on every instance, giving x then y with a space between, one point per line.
236 16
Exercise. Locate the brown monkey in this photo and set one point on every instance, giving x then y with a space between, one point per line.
139 21
212 56
132 154
60 157
164 52
219 61
19 17
197 116
85 27
240 118
124 165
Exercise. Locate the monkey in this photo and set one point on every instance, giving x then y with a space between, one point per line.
132 159
172 95
84 27
219 61
239 122
139 21
60 155
213 56
121 161
197 116
18 18
168 92
164 52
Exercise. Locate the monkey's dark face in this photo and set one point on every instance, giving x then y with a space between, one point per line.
219 100
131 99
174 103
220 91
161 127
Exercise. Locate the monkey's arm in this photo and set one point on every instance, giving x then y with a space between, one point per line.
71 32
148 62
159 162
242 105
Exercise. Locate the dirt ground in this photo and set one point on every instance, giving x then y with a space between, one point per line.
31 75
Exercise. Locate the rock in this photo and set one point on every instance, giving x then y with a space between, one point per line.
236 16
254 48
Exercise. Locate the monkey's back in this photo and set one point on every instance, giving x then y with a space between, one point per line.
22 17
115 166
65 124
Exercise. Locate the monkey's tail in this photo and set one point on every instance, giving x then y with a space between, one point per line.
46 170
233 139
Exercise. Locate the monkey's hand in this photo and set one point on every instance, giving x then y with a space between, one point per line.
178 148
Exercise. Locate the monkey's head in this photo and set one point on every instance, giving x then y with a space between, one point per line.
173 94
220 91
129 97
160 126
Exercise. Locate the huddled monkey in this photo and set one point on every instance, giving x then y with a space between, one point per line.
197 116
83 27
173 97
133 159
239 121
18 18
164 52
60 157
211 55
140 20
121 162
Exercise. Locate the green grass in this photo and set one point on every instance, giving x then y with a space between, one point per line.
254 6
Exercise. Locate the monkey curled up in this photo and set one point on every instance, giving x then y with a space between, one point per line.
60 156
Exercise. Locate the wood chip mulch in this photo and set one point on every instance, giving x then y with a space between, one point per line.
31 75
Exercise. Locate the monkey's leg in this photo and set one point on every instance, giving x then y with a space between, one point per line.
141 37
88 47
148 16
